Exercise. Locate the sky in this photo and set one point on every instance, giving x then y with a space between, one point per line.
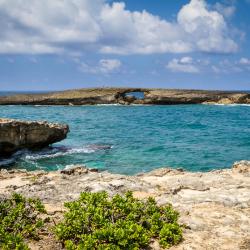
65 44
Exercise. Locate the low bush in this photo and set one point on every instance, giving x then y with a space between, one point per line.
96 222
19 220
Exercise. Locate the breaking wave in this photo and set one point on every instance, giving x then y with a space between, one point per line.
63 151
229 105
53 152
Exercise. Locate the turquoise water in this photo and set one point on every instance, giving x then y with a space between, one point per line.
132 139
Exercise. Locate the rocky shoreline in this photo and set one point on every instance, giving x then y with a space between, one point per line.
214 206
123 96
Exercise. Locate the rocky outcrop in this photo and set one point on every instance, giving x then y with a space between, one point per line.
213 206
195 97
118 96
16 135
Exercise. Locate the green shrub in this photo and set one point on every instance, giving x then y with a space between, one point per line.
19 220
96 222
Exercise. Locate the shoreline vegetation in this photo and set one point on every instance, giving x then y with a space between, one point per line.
93 221
128 96
214 206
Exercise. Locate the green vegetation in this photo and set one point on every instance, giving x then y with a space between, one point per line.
19 220
96 222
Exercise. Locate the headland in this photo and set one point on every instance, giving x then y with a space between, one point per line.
127 96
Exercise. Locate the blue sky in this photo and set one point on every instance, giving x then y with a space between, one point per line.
54 45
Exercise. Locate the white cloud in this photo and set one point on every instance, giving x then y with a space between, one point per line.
48 26
105 66
244 61
226 66
208 29
186 60
185 65
75 26
109 65
226 10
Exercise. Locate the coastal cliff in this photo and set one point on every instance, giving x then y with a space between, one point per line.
122 96
16 135
214 206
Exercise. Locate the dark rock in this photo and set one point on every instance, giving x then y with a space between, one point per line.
16 135
93 170
75 170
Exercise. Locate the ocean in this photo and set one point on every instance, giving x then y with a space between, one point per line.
134 139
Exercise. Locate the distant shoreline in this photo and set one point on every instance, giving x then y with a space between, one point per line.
125 96
30 92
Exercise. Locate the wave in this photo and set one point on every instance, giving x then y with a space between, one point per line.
52 152
230 105
63 151
245 105
58 154
118 104
113 104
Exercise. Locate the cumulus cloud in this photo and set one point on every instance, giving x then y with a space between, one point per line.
106 66
208 29
185 65
75 26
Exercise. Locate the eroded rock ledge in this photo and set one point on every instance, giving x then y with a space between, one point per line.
215 206
16 135
119 96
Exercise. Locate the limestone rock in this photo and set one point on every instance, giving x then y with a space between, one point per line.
214 206
119 95
242 166
16 135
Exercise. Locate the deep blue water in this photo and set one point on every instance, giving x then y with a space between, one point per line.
132 139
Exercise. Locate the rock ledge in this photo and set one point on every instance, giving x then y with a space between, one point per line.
16 135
